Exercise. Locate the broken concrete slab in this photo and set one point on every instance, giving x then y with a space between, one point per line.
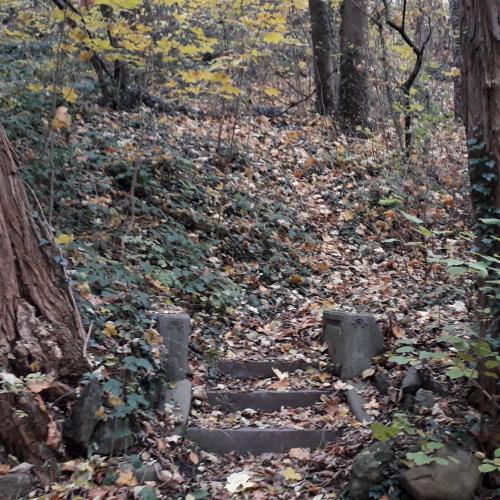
175 330
179 395
78 429
16 485
356 402
353 341
113 436
267 401
260 369
257 441
457 480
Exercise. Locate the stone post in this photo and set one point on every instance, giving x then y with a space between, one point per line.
175 330
353 340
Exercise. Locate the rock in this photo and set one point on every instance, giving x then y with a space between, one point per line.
457 480
16 485
175 330
368 470
112 436
424 399
78 429
353 340
430 384
382 383
411 381
180 396
357 402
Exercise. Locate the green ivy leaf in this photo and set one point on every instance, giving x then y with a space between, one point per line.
487 468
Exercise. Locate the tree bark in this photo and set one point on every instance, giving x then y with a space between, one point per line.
322 43
480 42
40 330
353 88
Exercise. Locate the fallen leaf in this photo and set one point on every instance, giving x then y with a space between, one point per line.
300 453
296 279
126 478
153 337
62 119
281 375
239 481
368 373
291 474
110 329
53 435
64 239
397 331
194 457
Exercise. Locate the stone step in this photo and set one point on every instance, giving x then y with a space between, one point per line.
267 401
260 369
256 441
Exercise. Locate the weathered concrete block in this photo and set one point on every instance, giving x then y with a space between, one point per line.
263 400
260 369
78 429
353 340
257 441
180 396
175 330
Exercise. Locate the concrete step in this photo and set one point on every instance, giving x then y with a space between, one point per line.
260 369
267 401
256 441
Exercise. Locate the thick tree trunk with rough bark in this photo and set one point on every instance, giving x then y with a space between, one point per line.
480 42
40 330
353 87
322 43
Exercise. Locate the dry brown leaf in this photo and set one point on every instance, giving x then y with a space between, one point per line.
397 331
194 457
53 435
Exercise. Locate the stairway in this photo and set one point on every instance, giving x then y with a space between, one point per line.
258 440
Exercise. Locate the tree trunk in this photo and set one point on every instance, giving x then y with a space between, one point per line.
455 6
322 43
353 88
40 330
480 43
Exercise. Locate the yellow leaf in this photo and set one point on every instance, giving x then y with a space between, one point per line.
126 478
64 239
272 92
35 87
70 94
115 401
119 4
110 329
101 413
153 337
274 37
291 474
62 119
